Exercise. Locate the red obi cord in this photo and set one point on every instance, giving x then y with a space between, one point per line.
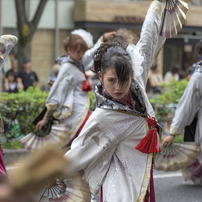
150 143
86 86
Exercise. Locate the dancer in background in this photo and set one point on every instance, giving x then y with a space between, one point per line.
188 116
115 148
7 42
68 99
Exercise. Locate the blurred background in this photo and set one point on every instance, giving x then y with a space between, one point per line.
59 17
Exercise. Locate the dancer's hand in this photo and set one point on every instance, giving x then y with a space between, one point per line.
167 141
110 35
41 124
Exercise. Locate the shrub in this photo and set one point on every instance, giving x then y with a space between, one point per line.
164 105
18 110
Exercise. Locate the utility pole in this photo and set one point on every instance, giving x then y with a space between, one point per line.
56 29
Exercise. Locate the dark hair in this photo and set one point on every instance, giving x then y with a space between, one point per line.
154 67
11 73
113 55
175 69
74 42
198 47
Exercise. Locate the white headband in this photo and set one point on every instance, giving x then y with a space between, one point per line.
86 36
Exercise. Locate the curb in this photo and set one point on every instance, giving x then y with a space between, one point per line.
12 155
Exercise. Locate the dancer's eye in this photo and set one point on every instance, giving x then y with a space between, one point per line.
111 80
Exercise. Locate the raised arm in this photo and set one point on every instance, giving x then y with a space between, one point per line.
150 40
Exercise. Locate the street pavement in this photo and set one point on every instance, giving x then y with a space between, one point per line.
170 187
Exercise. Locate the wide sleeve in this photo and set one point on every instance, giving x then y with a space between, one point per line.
189 105
91 146
150 41
59 91
87 59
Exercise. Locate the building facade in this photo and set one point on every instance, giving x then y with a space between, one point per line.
60 17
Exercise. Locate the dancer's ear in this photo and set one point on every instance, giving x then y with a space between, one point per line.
100 76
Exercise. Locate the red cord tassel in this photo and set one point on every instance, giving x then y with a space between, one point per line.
86 86
150 143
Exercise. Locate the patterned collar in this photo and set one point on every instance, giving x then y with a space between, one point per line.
198 66
106 101
66 58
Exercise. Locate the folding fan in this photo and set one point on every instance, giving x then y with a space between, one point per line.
177 156
174 17
37 140
69 190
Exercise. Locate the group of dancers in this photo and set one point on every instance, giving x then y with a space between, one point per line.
115 146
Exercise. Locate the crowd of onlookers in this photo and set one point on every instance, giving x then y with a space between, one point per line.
156 78
13 80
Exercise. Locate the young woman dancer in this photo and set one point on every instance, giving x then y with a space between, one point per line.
68 99
7 42
116 145
189 113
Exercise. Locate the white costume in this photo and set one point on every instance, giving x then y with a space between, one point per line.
105 148
67 102
190 105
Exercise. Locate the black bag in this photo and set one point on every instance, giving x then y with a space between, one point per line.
47 128
189 132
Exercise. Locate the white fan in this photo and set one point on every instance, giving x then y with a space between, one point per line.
174 17
69 190
177 156
36 141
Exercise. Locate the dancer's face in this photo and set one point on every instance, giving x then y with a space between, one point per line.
76 55
111 84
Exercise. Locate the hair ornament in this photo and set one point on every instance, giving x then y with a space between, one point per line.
137 59
86 36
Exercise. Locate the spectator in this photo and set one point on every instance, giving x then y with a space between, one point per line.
12 86
156 79
29 78
173 73
14 68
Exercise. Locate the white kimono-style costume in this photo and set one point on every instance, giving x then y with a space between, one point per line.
67 102
189 107
105 148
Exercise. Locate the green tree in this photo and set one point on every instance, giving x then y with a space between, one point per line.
26 28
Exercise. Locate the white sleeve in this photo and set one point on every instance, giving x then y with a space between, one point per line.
61 88
189 105
150 40
92 143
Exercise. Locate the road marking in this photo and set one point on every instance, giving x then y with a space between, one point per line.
168 175
11 167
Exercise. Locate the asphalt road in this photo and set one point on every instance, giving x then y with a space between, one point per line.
170 187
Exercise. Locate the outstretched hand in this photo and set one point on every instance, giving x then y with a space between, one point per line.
41 124
167 141
109 36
